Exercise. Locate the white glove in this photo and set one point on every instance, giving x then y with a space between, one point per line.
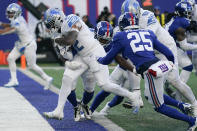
73 65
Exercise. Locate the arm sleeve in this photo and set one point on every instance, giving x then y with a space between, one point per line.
163 49
116 48
187 46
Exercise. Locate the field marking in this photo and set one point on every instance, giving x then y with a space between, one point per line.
102 120
19 114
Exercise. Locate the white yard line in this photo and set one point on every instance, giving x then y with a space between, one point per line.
106 123
17 114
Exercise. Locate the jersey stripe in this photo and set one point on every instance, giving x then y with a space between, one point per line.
107 29
152 91
132 20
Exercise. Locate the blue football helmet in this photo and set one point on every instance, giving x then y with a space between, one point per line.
130 6
103 32
128 21
13 11
184 9
54 18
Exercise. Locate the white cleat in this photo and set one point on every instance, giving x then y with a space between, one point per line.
49 83
105 110
77 115
193 127
87 111
12 83
54 115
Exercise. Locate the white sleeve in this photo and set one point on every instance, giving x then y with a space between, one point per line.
187 46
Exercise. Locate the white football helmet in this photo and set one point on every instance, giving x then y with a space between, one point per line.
131 6
13 11
53 19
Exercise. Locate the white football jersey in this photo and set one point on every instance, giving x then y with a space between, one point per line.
147 20
85 41
22 30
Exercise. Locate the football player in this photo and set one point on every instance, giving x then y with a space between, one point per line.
26 45
104 33
73 63
147 20
138 45
76 33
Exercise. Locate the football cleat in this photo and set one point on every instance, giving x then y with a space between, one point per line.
12 83
192 127
49 83
77 115
54 115
187 108
87 111
105 110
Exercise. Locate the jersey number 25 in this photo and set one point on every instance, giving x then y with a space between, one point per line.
140 43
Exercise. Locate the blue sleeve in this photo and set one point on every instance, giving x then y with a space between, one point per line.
185 23
162 49
116 48
108 47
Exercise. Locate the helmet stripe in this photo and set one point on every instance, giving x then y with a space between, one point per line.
132 20
107 29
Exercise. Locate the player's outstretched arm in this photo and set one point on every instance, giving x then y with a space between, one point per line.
67 39
7 30
4 25
124 63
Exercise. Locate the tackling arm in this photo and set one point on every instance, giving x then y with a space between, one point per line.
67 39
124 63
4 25
7 30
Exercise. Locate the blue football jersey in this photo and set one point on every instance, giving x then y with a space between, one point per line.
136 45
178 22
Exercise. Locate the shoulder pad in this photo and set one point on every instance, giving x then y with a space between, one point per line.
71 20
145 13
151 20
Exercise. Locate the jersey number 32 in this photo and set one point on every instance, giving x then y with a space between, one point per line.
139 42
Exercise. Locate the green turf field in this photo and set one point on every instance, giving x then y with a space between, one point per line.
146 120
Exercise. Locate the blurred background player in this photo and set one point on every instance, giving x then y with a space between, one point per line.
138 46
26 45
177 27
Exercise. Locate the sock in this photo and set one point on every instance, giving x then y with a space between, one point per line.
173 113
72 98
100 97
13 75
170 101
115 101
87 97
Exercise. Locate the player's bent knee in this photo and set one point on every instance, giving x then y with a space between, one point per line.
10 59
188 68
